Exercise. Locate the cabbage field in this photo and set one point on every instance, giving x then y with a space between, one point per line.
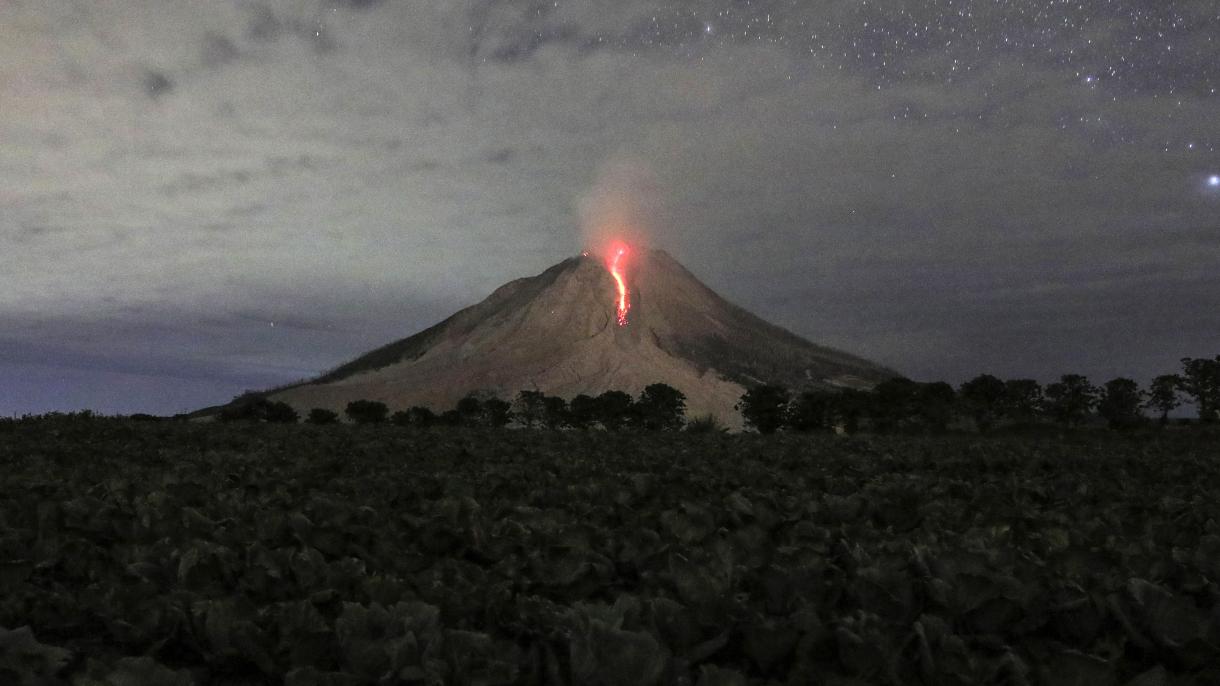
167 553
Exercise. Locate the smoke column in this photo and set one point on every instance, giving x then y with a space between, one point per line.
623 206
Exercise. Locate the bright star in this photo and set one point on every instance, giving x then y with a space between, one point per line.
1214 180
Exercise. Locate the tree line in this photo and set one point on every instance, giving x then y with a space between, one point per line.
905 406
895 406
658 407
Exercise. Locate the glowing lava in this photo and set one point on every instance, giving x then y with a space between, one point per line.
619 252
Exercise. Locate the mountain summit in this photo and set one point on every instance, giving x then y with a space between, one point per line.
560 332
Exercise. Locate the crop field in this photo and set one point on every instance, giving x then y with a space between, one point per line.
168 553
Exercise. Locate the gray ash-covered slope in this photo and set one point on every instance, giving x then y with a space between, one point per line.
557 332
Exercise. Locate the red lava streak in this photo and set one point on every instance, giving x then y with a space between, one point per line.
619 252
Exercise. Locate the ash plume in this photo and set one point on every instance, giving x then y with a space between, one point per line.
625 204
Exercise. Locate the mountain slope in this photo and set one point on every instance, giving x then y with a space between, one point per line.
557 332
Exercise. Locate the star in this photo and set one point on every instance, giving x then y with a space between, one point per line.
1214 180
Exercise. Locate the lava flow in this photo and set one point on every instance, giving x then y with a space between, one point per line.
616 270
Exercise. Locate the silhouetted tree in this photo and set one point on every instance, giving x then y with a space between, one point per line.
319 415
1071 399
247 407
252 407
982 399
401 418
531 409
470 411
366 411
895 405
937 402
614 409
450 417
281 413
661 407
554 411
812 411
1201 381
1120 402
764 407
1163 395
420 416
582 411
497 412
1022 400
848 407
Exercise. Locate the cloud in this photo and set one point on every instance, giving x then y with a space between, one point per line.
157 84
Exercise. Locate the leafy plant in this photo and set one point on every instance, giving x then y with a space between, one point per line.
170 553
705 424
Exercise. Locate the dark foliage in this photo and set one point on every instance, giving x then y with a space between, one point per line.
905 406
247 407
144 417
1120 402
850 407
471 410
497 412
583 411
983 400
764 407
182 553
554 412
895 406
1023 400
614 409
1201 381
705 424
1070 400
1163 395
366 411
319 415
281 413
660 407
937 402
420 416
253 407
812 411
531 408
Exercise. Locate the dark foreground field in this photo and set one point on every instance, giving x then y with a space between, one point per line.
158 553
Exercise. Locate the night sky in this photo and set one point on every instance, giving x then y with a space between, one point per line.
201 197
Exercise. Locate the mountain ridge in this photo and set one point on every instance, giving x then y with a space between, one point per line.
557 332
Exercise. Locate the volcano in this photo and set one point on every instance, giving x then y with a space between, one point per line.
582 327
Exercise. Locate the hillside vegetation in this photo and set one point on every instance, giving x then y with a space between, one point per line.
176 553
